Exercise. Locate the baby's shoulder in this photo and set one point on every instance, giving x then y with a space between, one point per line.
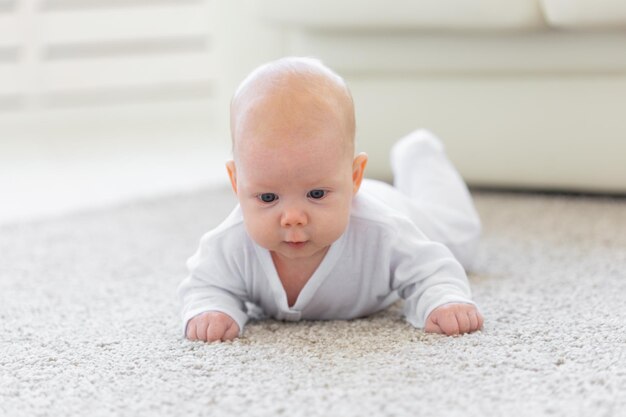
374 223
369 210
231 230
223 245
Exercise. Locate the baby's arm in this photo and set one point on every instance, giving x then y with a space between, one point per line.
434 285
454 318
213 295
212 326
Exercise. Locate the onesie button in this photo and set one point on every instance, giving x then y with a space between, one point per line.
293 316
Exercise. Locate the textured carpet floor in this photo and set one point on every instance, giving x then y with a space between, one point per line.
89 324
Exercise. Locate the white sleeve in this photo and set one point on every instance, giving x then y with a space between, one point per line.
213 284
425 274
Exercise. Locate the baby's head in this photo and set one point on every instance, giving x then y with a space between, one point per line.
294 170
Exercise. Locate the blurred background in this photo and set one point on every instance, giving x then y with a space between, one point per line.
105 101
102 101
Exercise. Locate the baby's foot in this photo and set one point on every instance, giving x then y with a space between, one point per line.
413 146
423 173
412 161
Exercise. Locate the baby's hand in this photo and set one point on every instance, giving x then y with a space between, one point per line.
212 326
451 319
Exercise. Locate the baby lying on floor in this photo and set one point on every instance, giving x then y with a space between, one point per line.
310 239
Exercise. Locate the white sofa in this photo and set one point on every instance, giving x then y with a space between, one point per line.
524 93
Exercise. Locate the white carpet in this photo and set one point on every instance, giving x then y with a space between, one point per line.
89 324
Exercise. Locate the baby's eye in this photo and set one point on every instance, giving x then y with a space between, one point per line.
316 194
268 197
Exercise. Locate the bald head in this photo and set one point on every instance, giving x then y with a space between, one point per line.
293 95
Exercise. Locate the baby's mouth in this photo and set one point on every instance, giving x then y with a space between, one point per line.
296 245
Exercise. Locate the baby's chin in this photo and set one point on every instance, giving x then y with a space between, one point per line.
299 250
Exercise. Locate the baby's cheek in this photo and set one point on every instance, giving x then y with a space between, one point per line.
336 224
260 230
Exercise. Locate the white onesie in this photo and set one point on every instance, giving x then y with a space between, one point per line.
381 257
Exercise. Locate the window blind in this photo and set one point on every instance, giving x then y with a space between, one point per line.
65 54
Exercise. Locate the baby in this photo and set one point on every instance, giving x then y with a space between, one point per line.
304 242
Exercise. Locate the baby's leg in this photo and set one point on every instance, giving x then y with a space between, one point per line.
432 194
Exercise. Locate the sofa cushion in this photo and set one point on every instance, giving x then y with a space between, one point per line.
585 13
404 14
575 53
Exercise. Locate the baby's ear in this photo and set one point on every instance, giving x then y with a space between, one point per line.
358 168
232 174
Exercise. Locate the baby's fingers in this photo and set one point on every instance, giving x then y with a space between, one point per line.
449 323
216 330
454 319
432 327
191 330
202 323
476 320
232 332
197 327
463 321
221 328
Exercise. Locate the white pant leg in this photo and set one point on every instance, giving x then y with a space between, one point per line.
431 192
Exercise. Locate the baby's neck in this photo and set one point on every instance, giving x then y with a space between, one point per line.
295 273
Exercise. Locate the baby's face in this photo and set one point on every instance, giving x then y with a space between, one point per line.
295 183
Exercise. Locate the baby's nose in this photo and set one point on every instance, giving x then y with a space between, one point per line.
293 216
